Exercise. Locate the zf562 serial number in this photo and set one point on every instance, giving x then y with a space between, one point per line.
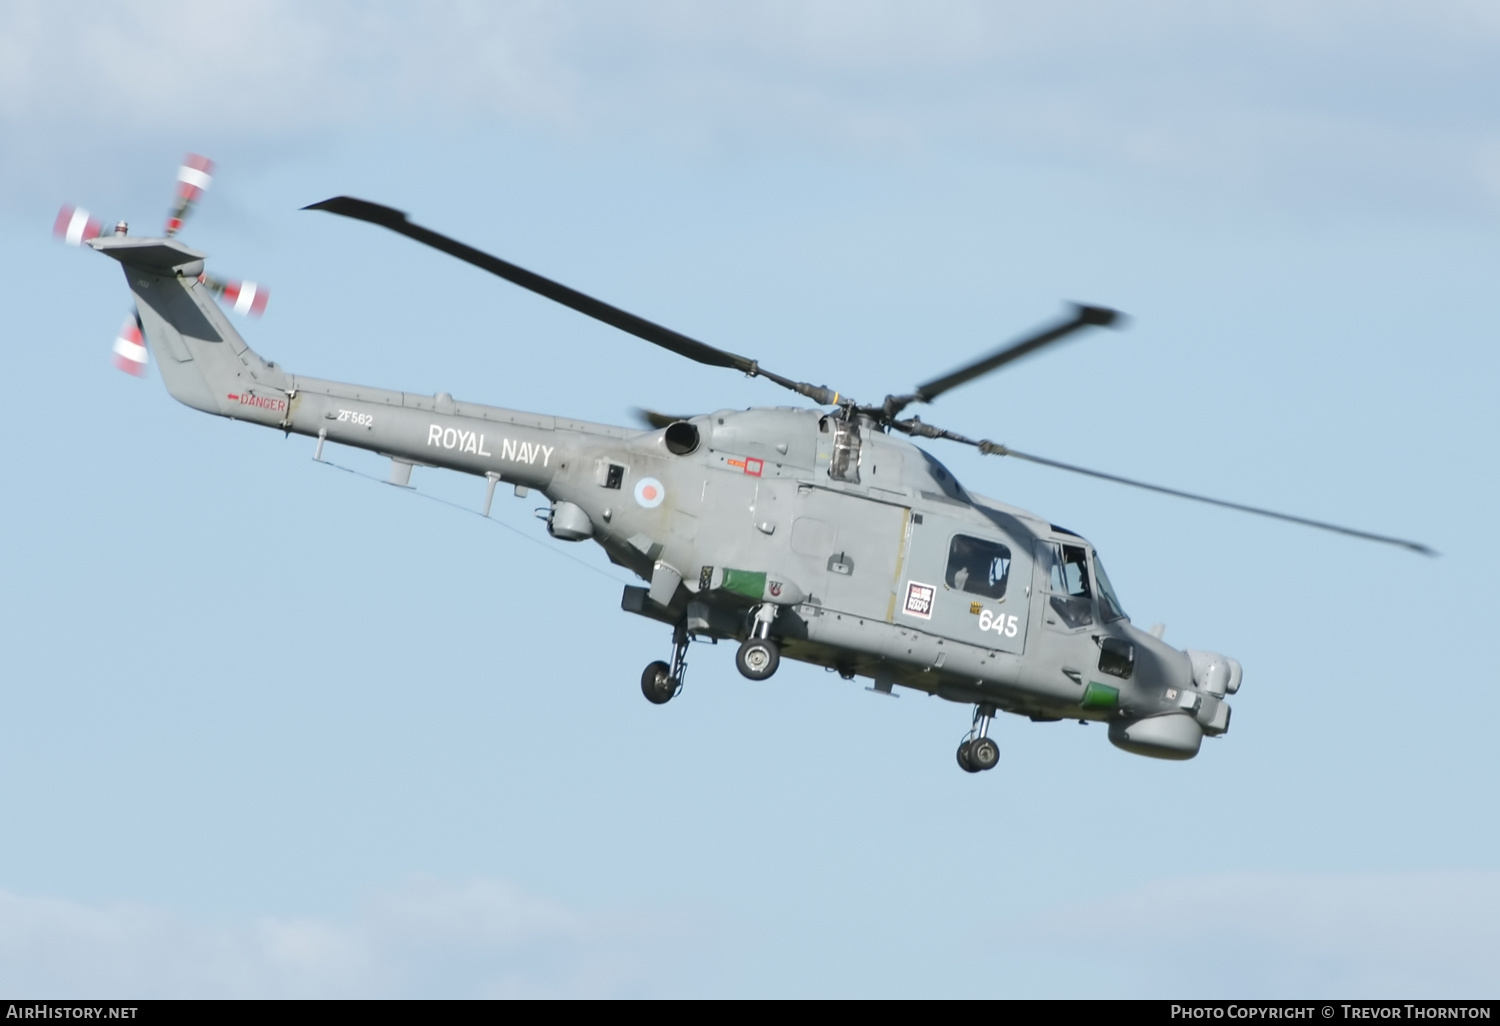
362 419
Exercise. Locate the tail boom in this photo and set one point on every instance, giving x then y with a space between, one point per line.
206 365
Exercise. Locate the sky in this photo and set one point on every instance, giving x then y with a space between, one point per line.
275 729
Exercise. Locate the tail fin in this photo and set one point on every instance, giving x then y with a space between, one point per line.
203 360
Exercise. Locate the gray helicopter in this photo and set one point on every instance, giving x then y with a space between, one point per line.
819 534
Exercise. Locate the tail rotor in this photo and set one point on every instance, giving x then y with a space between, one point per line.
130 348
245 298
193 179
77 227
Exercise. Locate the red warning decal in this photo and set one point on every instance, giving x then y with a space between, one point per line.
263 402
749 465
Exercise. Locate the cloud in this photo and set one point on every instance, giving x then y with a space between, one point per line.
262 67
1427 934
479 938
1289 934
1371 100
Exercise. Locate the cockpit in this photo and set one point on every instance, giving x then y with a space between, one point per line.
1074 579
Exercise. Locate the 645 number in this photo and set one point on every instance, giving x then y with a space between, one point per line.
1004 624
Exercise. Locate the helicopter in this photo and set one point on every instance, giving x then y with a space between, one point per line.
818 533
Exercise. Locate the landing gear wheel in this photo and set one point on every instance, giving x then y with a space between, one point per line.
758 658
983 754
657 683
963 759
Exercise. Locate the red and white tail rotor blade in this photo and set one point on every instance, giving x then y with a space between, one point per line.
193 178
246 298
75 227
130 348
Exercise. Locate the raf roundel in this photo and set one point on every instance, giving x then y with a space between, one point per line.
649 492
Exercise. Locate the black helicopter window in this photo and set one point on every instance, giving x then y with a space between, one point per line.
1069 583
1116 657
608 475
1109 603
977 566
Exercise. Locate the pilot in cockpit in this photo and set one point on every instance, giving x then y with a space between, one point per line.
967 561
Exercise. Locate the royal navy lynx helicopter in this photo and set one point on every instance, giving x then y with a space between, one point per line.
820 534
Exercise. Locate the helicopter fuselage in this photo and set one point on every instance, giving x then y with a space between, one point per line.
856 549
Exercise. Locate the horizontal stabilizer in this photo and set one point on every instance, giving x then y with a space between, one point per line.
159 256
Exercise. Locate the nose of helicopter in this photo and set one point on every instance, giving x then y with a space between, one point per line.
1215 674
1190 712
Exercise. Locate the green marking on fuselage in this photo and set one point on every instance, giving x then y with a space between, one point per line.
750 583
1099 696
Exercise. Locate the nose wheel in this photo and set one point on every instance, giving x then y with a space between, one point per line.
978 755
978 752
661 681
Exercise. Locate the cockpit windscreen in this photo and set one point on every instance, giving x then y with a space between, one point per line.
1109 603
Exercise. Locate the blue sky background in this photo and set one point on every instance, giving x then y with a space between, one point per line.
273 729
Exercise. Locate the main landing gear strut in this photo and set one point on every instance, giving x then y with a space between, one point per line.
978 752
660 681
757 658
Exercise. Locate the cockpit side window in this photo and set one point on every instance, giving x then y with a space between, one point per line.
1109 604
1068 581
1070 572
977 566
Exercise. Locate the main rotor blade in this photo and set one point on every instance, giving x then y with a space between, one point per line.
682 345
1083 317
914 426
1321 525
656 419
